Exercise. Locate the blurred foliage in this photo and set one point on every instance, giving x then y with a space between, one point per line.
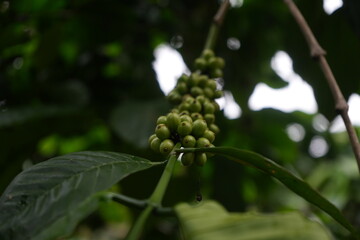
77 75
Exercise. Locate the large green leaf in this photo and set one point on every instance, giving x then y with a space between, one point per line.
291 181
209 220
43 194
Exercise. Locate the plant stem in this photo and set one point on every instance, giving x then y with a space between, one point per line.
157 196
318 53
216 24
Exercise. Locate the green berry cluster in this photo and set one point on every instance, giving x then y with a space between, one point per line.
192 121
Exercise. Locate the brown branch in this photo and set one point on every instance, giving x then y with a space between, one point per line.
216 24
318 53
220 15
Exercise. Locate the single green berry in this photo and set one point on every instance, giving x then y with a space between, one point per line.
218 94
211 83
184 112
184 128
216 62
181 87
188 141
208 92
152 137
203 142
195 106
220 62
166 146
209 118
161 120
194 80
212 62
199 127
162 131
209 108
200 63
196 91
183 78
188 98
175 110
184 106
207 53
213 127
200 159
172 121
201 99
203 80
186 118
216 73
195 116
174 97
216 106
155 144
187 159
210 135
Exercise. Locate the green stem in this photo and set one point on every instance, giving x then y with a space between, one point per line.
158 194
212 36
216 24
156 198
137 228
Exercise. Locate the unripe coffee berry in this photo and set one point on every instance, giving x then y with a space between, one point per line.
213 127
187 159
196 116
218 94
196 91
152 137
216 73
174 97
195 106
203 142
201 99
184 128
200 159
161 120
203 80
210 135
184 106
172 121
211 84
208 92
209 108
194 80
162 131
181 87
155 144
166 146
183 78
209 118
186 118
189 141
200 63
207 54
199 127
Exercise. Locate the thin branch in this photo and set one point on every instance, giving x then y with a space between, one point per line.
216 24
128 201
139 204
318 53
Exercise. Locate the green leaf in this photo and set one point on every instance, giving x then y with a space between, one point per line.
209 220
43 194
66 224
291 181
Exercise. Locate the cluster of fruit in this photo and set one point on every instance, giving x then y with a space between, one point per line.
192 121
